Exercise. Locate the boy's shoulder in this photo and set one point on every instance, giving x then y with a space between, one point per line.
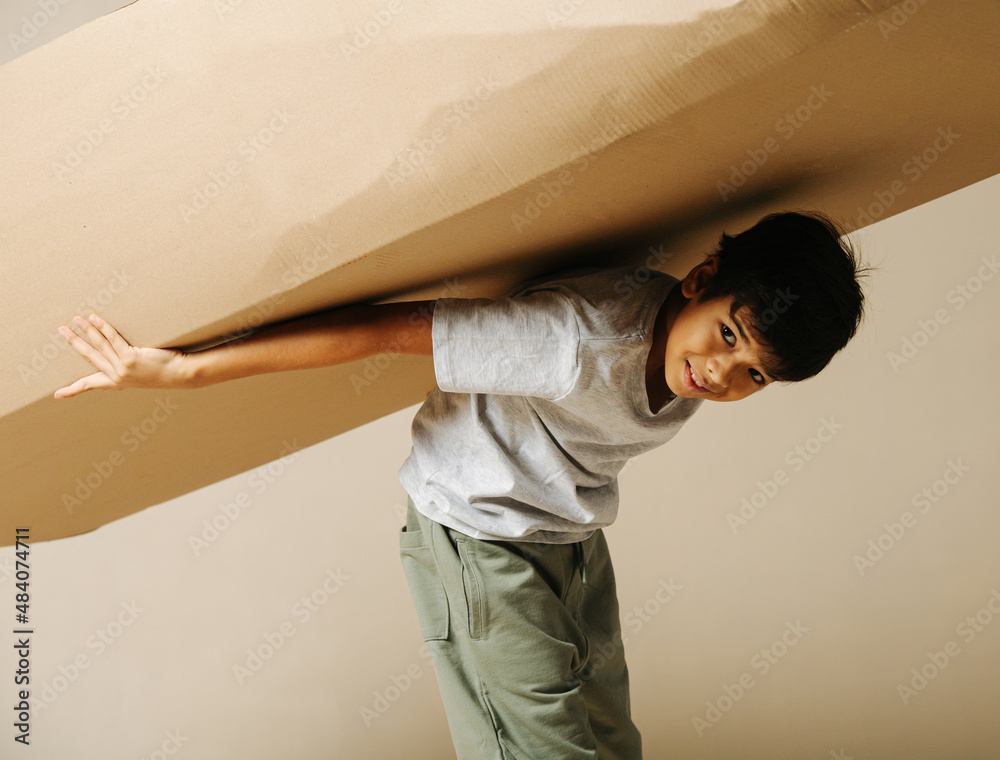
608 285
607 303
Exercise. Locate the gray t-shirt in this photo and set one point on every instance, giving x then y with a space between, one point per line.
540 402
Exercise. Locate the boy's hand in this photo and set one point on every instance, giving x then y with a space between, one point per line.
121 365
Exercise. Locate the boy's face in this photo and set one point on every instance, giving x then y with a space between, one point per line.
709 355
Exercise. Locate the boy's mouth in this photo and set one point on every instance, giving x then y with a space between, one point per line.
689 380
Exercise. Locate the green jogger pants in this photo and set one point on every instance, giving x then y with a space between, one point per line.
525 641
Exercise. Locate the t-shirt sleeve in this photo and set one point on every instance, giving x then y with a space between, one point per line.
524 345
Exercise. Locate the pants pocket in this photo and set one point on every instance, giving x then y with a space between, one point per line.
473 588
425 584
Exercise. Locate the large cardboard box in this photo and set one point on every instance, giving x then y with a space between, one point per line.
193 170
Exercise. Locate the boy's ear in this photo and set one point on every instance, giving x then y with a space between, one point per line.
699 276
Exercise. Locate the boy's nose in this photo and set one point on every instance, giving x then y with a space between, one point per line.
720 369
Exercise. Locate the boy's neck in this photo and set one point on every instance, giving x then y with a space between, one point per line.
656 383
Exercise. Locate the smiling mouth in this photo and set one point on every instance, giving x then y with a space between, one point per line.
689 378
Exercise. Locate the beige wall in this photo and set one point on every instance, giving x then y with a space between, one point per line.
138 629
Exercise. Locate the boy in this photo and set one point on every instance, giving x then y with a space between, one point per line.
541 399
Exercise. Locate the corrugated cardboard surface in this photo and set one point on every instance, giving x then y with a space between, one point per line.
189 174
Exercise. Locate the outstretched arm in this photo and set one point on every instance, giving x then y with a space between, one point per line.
330 337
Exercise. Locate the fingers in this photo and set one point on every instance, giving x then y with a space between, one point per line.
83 348
88 383
109 345
105 329
100 340
110 353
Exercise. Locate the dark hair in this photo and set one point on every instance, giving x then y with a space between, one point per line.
796 276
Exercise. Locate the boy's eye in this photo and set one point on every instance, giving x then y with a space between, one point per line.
726 334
